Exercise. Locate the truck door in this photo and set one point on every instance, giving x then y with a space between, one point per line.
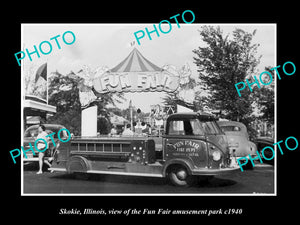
184 141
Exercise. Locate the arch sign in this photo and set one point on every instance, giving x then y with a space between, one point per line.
134 74
136 82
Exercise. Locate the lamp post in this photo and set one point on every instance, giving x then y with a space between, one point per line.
130 109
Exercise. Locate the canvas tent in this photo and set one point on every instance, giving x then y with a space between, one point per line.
135 62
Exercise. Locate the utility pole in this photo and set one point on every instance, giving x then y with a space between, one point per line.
130 109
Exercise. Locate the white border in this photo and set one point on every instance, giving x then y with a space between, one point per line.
22 112
152 194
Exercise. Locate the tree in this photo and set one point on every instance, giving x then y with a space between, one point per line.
64 94
264 98
223 62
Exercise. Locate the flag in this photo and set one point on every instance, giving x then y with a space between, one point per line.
41 72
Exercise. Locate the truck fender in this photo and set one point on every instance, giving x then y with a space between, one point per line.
183 162
78 164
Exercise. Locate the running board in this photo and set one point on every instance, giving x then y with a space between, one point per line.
58 169
125 173
112 172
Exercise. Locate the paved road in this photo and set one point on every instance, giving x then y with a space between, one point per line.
258 180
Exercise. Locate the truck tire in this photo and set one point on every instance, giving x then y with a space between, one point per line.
178 176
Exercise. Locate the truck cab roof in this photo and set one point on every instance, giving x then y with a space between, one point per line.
202 116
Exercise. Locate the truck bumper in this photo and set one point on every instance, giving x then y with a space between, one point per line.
215 172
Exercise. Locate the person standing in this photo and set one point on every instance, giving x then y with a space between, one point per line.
113 131
128 131
42 134
147 130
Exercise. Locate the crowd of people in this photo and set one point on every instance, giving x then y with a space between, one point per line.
139 128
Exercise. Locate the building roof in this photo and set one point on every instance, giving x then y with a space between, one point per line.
118 120
135 62
37 107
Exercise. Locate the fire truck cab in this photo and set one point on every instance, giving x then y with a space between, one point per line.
193 145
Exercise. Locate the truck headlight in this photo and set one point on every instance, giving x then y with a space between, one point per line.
216 155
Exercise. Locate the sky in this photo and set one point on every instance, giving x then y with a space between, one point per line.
99 45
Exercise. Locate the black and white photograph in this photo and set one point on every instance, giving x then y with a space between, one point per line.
146 112
144 109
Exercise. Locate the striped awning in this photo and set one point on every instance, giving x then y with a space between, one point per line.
135 62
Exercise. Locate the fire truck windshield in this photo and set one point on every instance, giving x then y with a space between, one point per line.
197 129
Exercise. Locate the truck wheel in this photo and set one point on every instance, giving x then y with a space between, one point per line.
178 175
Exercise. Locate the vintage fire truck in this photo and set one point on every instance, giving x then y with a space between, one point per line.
193 145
